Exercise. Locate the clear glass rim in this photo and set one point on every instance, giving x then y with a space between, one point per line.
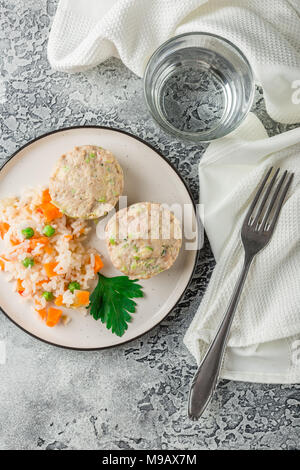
195 136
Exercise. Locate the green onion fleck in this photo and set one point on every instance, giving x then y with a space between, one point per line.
102 199
149 248
112 241
149 263
92 155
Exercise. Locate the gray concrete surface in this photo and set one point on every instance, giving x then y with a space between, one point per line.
135 396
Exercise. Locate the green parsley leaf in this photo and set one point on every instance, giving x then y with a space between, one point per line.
111 302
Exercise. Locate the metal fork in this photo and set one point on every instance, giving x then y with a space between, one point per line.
256 233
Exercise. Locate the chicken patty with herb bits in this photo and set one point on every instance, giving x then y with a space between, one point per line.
143 240
86 182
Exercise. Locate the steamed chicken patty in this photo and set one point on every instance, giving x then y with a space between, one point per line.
143 239
86 182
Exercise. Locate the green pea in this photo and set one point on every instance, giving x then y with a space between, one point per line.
74 286
28 262
48 296
49 230
92 155
28 233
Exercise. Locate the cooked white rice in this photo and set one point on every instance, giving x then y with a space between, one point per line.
74 261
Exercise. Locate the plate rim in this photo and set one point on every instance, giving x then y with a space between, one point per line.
115 129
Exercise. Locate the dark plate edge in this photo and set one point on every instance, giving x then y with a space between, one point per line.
194 206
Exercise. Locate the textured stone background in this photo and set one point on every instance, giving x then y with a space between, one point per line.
134 396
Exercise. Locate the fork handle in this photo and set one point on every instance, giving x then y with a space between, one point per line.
206 377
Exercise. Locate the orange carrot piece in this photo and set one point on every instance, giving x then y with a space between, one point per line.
14 241
82 298
33 242
42 240
4 228
20 288
98 264
48 249
69 237
46 196
53 316
42 313
50 211
40 283
59 301
2 265
49 268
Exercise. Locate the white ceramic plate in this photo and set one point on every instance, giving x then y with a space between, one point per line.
148 177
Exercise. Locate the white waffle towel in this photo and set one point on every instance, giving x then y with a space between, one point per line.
264 342
86 32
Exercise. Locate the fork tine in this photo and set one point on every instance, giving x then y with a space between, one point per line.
265 198
257 196
281 201
273 201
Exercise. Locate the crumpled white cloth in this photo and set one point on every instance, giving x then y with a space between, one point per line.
86 32
264 343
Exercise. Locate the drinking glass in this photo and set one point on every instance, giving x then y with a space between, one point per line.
198 86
